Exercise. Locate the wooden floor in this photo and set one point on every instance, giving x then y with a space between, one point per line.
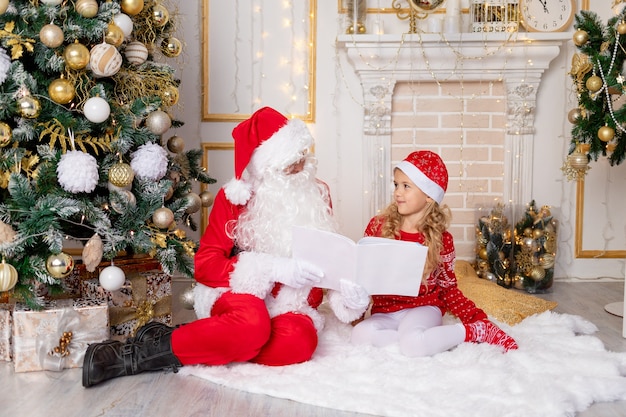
158 394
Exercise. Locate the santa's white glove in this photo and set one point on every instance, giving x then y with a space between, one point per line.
296 273
353 295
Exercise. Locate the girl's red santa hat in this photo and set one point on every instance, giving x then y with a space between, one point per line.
427 170
266 142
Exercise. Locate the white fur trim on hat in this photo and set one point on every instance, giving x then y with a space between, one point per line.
285 147
428 186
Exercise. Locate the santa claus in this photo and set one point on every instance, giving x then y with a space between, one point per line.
254 302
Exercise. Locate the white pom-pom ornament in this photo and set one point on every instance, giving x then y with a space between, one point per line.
5 63
96 109
112 278
149 162
78 172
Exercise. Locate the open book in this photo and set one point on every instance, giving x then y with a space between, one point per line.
380 265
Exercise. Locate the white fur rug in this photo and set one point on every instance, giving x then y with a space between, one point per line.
559 369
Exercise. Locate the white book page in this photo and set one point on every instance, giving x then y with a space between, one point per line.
333 253
380 265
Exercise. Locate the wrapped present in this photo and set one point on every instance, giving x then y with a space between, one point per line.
57 337
145 296
71 285
6 318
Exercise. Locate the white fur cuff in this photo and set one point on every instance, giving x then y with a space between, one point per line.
252 274
343 313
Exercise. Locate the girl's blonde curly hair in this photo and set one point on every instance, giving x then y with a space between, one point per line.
435 222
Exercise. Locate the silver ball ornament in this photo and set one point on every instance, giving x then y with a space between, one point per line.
158 122
163 218
195 203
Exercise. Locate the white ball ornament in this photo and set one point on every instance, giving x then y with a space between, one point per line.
125 23
51 35
96 110
52 2
105 60
87 8
112 278
136 53
4 5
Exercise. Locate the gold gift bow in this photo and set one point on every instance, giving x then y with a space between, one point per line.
143 310
69 320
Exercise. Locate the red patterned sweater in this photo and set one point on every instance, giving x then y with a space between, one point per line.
441 289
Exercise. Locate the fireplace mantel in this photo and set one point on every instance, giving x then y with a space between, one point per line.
516 59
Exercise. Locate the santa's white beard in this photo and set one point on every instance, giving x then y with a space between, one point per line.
279 202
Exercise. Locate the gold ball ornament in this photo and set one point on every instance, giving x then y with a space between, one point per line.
8 276
610 147
547 260
76 56
4 5
105 60
131 7
593 83
606 133
171 47
194 201
158 122
114 35
518 282
6 133
121 174
537 233
187 299
621 28
176 144
87 8
578 160
59 265
160 15
537 273
580 37
207 198
574 115
29 107
61 91
482 253
170 95
163 218
136 53
51 35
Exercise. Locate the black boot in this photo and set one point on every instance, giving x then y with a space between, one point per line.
151 330
112 359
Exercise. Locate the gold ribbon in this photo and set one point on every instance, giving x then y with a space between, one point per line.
142 310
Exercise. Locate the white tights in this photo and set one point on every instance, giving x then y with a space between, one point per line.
418 331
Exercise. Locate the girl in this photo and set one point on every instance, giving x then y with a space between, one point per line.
415 323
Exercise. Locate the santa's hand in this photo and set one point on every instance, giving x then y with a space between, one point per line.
353 295
296 273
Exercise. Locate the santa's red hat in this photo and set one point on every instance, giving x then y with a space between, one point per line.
267 141
427 170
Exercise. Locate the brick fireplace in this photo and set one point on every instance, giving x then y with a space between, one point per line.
470 97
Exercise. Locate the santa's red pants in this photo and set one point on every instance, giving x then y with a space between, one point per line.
240 329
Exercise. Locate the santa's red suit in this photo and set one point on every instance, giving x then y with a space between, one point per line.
248 307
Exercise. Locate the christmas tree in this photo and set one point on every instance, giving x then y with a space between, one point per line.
597 72
84 109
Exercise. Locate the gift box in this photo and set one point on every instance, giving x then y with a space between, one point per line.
6 319
57 336
144 297
72 284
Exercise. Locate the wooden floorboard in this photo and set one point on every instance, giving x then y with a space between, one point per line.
162 394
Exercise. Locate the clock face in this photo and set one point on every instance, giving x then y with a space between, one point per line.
547 15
